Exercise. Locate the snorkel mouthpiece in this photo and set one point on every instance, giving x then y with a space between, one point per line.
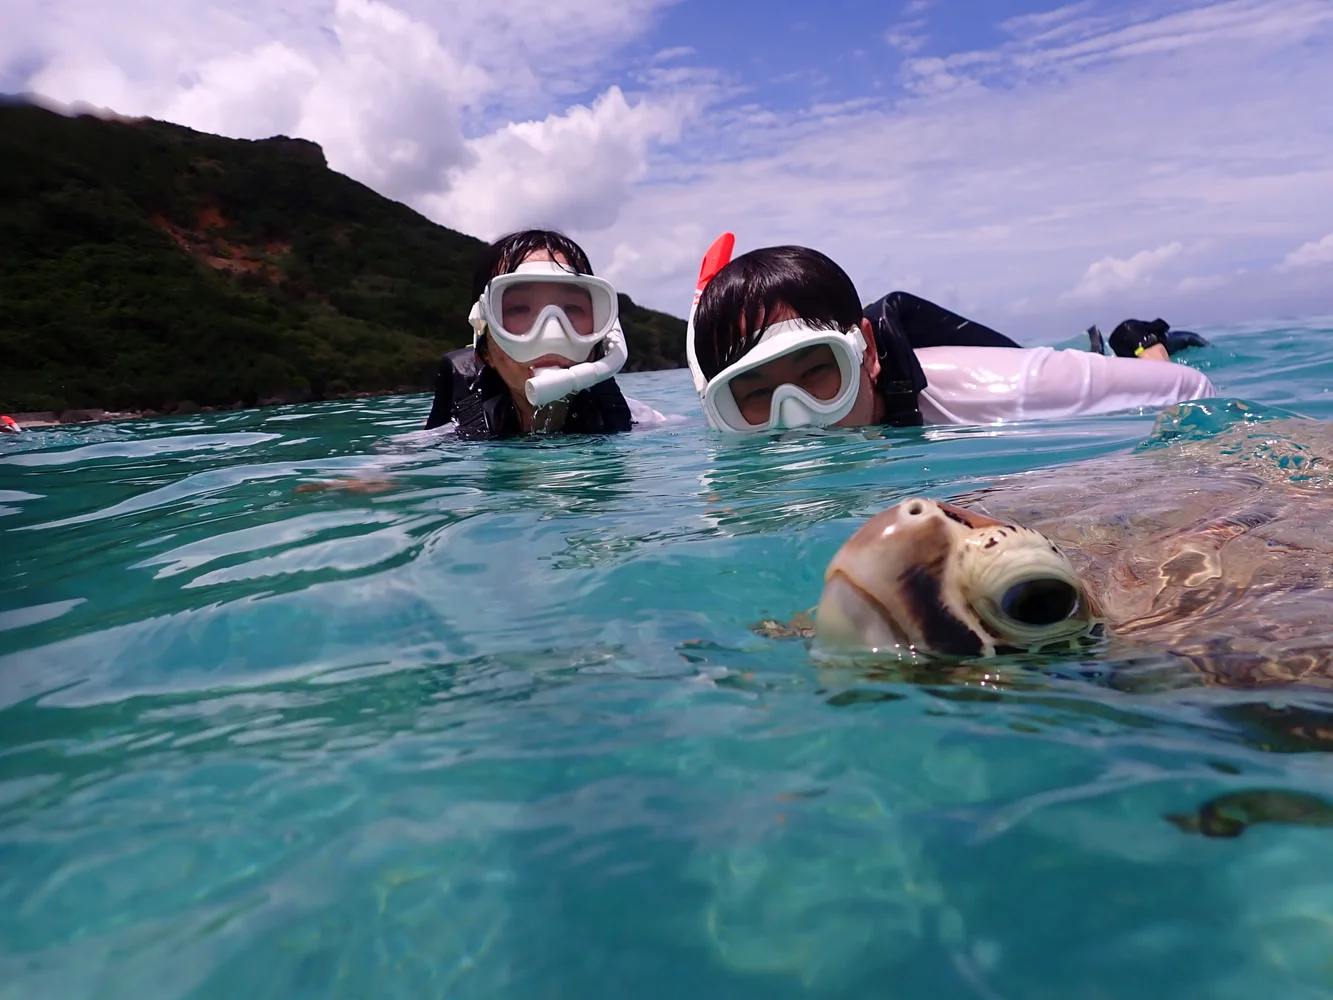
549 384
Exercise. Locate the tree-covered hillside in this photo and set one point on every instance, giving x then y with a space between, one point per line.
142 264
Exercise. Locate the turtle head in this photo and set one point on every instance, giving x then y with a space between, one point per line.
930 578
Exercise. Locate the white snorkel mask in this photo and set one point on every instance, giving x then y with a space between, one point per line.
790 405
553 331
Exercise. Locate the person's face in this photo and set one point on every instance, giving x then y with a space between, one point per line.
520 307
813 369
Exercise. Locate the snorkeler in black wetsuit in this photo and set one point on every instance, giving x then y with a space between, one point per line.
924 324
1132 337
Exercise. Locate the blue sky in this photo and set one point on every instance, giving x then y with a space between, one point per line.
1038 166
797 53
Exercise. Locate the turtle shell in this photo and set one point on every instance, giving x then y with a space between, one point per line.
1218 548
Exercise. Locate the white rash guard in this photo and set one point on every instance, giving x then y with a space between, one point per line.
986 385
644 415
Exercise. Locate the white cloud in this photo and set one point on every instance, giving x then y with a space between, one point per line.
573 170
1111 274
387 87
375 87
908 282
936 76
907 36
1001 181
1075 36
1049 23
661 256
1007 181
1310 254
676 52
255 94
1202 283
1237 21
382 99
1071 38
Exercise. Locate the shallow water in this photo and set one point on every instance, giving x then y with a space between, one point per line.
501 730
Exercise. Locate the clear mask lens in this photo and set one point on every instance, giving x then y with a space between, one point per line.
815 371
522 302
517 306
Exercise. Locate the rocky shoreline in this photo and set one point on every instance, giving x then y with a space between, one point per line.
38 420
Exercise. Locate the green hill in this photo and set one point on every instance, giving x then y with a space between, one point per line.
143 263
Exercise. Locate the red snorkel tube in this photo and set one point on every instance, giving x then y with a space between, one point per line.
715 259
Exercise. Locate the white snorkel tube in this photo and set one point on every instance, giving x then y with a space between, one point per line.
549 384
552 332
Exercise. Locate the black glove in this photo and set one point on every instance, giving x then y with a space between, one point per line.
1178 340
1096 342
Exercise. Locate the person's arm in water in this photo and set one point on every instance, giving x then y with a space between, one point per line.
1154 341
925 324
987 385
442 409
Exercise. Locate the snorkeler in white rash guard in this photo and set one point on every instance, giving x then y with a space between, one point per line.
777 338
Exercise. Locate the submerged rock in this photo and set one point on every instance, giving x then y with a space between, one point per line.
1231 814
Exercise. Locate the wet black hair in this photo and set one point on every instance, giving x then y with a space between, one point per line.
505 254
731 315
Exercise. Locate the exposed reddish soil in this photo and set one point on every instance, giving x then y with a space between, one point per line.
219 253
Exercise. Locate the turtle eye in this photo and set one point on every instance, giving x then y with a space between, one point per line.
1043 601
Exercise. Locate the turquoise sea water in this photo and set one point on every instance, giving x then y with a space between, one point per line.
501 730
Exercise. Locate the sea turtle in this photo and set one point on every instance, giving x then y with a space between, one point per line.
1215 547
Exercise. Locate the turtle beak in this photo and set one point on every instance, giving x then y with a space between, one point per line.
925 577
889 586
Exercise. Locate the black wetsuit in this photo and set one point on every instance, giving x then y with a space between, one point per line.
473 395
924 324
904 323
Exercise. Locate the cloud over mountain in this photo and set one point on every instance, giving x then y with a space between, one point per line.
1072 164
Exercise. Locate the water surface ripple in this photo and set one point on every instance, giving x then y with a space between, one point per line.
499 729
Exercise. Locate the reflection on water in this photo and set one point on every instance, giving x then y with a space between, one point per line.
503 729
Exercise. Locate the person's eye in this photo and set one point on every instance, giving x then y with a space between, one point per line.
819 371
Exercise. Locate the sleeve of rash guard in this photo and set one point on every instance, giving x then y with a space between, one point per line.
1070 383
986 385
925 324
442 409
644 415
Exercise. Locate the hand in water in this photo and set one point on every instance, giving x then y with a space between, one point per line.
348 486
1157 352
